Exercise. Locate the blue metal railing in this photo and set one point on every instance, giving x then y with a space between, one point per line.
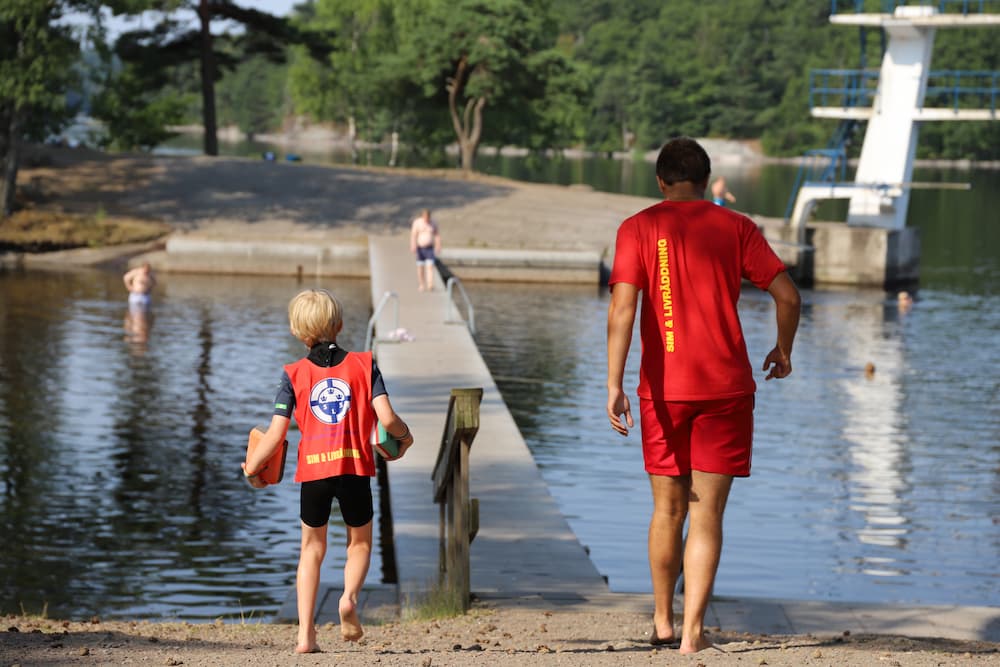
842 87
950 88
969 88
889 6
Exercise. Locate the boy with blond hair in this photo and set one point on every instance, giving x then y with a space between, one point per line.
336 397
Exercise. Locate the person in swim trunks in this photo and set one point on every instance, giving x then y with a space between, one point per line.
139 282
336 397
425 243
686 259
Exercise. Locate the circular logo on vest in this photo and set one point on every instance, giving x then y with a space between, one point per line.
329 400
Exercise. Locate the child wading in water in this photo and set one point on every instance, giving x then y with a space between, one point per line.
336 397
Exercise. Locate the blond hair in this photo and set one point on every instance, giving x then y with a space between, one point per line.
315 316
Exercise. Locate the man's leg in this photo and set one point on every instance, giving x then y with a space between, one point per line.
311 556
670 507
706 506
429 275
359 554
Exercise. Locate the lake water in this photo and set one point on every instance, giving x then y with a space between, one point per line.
120 488
120 492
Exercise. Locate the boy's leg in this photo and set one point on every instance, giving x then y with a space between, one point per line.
706 506
670 507
311 556
359 553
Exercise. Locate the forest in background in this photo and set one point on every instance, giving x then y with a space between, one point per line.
621 74
601 75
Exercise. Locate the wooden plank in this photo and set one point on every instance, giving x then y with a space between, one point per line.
462 423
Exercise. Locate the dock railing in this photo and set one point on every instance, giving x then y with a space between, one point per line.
459 520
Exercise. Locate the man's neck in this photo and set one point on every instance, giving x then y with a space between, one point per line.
682 191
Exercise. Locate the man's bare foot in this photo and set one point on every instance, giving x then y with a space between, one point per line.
350 624
659 638
307 642
306 648
695 644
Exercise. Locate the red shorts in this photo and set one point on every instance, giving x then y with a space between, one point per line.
708 436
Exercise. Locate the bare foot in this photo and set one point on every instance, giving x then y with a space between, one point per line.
307 641
659 638
695 644
350 624
306 648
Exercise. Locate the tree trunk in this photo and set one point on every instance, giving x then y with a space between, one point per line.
8 161
208 79
469 125
352 136
393 148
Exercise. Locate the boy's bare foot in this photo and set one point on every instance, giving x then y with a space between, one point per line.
307 642
350 624
695 644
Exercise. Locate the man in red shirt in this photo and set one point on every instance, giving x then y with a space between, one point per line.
687 257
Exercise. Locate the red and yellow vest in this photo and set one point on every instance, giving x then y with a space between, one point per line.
333 408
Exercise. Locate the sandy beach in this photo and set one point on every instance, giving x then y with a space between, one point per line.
237 198
483 636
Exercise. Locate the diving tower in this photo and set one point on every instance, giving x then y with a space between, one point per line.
877 247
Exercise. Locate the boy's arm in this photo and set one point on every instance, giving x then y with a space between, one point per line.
788 305
393 424
268 445
437 240
413 236
621 317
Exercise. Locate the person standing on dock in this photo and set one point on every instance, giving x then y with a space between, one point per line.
337 398
425 243
688 258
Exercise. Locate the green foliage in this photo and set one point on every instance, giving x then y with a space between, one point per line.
37 54
252 97
136 116
36 57
603 74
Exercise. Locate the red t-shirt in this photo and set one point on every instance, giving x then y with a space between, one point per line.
688 258
335 416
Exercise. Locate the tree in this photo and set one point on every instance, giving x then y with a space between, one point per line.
36 58
356 81
478 54
253 96
264 34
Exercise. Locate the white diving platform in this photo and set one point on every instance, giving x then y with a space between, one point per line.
892 105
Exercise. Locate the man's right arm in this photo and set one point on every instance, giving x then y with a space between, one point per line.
788 305
621 316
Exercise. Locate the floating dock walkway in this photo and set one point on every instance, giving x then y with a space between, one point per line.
524 548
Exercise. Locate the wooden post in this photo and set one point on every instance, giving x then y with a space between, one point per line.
451 491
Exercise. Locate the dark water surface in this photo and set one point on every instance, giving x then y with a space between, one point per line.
120 488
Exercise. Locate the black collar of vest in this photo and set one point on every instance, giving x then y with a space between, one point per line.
326 354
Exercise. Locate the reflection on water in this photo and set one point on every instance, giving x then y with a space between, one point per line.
865 489
120 487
